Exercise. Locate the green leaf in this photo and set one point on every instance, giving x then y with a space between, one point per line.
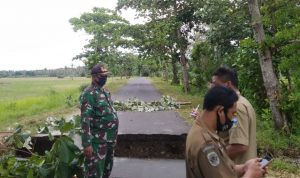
27 144
63 171
65 154
37 160
45 172
66 127
30 174
43 130
50 136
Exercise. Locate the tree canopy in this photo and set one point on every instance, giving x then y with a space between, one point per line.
187 40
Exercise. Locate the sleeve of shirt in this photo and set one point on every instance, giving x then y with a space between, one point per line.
211 164
239 133
86 117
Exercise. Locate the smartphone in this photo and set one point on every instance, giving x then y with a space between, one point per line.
265 161
193 114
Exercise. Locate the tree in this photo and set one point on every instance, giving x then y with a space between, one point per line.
282 27
265 59
178 15
154 41
109 32
225 23
231 36
203 63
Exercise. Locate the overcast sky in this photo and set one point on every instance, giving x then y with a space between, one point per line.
36 34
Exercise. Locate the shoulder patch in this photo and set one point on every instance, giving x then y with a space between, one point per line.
234 122
213 158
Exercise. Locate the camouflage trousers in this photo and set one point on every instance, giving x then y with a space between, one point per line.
100 164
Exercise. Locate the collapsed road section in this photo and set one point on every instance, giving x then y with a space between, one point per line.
150 145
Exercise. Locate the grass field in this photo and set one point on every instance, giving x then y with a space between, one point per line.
29 101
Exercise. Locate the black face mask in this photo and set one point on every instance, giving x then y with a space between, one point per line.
226 126
101 81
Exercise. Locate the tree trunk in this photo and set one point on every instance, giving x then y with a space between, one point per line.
183 62
269 77
175 79
165 71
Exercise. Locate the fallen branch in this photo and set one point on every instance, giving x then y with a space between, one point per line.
184 103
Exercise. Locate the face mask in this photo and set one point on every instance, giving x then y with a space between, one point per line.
101 81
226 126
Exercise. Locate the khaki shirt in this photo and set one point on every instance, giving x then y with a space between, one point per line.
244 131
205 154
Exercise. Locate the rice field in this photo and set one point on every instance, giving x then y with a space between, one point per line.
29 101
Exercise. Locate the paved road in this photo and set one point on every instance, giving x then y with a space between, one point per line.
151 123
148 168
140 88
163 122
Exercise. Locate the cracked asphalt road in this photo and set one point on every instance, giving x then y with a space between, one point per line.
151 123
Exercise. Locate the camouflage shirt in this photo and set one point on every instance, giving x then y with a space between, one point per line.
99 121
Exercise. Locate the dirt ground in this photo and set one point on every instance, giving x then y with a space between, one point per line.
278 174
3 147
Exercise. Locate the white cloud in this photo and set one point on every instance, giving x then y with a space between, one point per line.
36 34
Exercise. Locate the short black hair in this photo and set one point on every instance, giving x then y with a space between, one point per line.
226 74
219 95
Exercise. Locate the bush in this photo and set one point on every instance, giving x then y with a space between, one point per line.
270 140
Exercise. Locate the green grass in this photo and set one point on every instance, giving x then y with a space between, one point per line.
279 165
176 91
29 101
19 88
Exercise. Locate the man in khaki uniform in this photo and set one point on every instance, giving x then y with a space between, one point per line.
205 151
241 138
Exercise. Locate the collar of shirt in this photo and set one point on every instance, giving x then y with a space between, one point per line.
213 135
96 87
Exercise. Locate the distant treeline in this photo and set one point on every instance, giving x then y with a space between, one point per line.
60 72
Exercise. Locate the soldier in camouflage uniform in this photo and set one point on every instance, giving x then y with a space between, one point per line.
99 124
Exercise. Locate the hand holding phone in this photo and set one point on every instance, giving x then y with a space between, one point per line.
265 161
194 112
